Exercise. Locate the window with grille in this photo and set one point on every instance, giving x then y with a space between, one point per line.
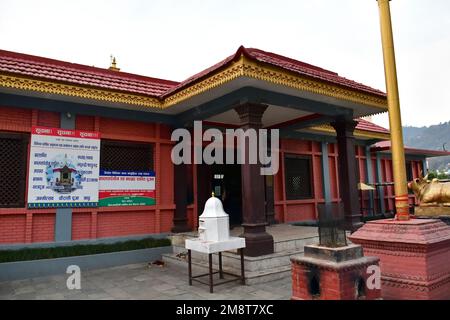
130 156
298 177
13 169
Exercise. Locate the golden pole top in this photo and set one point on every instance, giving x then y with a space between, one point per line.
395 122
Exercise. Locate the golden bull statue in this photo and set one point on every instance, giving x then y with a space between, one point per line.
434 196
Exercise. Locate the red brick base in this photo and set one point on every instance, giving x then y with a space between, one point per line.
319 277
414 257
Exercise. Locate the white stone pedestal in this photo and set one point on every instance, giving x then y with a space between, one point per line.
208 247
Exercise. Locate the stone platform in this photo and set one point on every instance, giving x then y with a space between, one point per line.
289 240
414 256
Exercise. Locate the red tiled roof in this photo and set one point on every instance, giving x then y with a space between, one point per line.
309 70
77 74
370 126
283 62
386 146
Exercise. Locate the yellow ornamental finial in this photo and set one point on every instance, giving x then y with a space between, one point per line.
113 65
212 194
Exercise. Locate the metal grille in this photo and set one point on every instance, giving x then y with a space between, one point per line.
332 225
13 166
298 177
115 155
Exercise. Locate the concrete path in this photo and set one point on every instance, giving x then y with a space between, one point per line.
139 281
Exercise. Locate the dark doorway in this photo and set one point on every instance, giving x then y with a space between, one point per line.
226 185
225 182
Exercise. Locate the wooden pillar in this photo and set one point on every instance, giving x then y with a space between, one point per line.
258 241
369 179
204 188
326 181
180 192
424 167
348 181
269 187
380 189
180 220
270 201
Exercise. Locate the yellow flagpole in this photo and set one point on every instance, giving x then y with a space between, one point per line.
395 121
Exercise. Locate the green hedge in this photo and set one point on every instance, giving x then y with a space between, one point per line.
80 250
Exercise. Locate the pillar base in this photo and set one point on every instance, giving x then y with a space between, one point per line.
414 257
257 242
180 225
352 225
271 220
333 274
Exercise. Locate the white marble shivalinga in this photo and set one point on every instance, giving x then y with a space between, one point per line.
214 237
214 231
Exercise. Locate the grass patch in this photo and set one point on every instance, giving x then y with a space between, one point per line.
80 250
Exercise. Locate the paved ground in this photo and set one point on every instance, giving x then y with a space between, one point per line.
138 281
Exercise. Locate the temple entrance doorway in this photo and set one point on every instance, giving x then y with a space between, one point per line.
225 181
226 185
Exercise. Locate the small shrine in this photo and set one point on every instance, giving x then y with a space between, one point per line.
214 237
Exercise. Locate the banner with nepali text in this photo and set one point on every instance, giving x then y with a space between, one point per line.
126 188
64 168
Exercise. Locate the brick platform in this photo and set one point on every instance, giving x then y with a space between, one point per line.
414 256
332 274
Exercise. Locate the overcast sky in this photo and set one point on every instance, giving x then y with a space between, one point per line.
173 39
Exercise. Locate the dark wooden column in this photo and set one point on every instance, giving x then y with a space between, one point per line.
204 189
180 221
258 241
270 201
348 182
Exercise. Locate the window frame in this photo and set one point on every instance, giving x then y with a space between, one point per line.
127 144
309 158
23 168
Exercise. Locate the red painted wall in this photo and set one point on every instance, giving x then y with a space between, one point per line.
298 210
20 225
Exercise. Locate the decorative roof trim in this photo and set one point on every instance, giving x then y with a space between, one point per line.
291 79
23 83
232 72
243 67
358 132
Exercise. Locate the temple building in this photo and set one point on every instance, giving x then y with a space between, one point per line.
327 149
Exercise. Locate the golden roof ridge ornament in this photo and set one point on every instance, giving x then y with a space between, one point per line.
113 65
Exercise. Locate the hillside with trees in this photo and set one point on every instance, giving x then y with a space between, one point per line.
435 137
